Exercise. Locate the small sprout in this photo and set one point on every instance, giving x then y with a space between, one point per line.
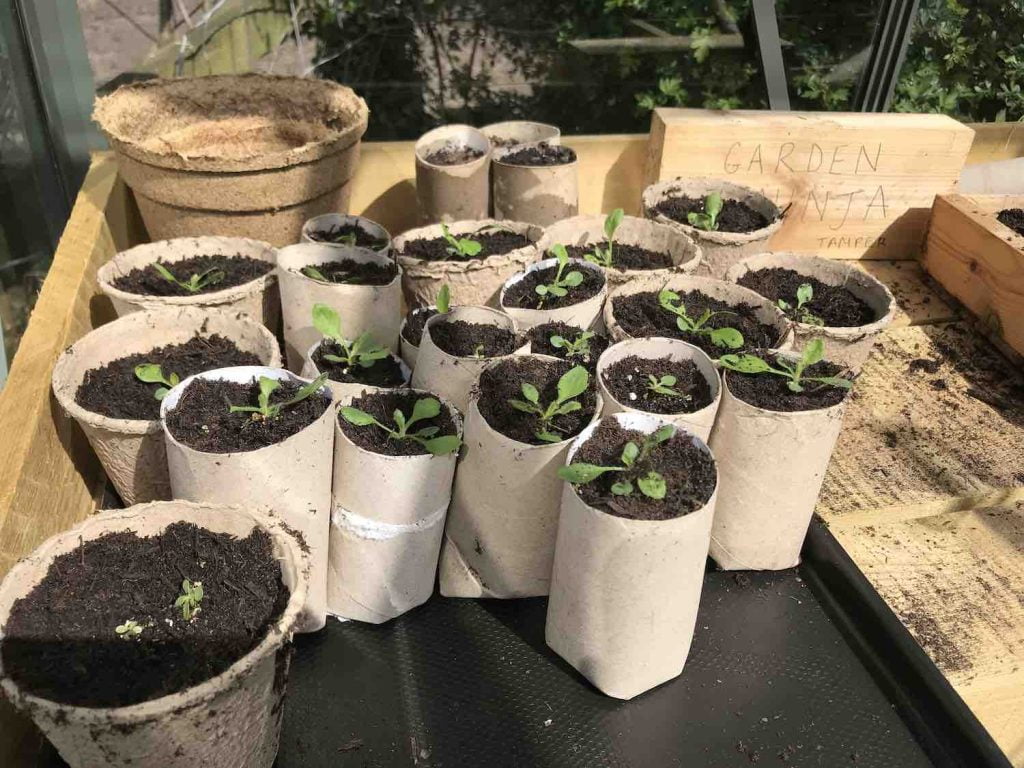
603 254
664 386
265 411
346 239
189 599
424 408
478 351
720 337
195 282
316 274
651 484
578 347
572 384
444 299
129 629
362 352
804 295
461 246
561 285
151 373
812 353
708 220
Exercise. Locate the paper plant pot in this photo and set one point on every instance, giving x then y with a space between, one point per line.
539 195
293 477
386 525
373 308
257 298
583 314
452 192
625 593
345 390
328 220
719 250
770 466
500 537
849 347
235 154
589 230
132 450
184 729
449 376
699 422
512 132
409 351
473 282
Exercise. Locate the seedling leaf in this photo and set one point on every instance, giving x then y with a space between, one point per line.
652 485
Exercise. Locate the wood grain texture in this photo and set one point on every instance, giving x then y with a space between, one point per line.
917 302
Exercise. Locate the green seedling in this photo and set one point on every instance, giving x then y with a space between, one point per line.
720 337
362 352
708 220
812 353
444 300
578 347
663 385
804 295
316 274
572 384
265 411
189 599
604 255
129 629
424 408
651 484
151 373
195 282
463 247
478 352
563 280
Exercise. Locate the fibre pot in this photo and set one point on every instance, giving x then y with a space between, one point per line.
584 314
387 519
452 192
345 390
328 221
293 477
625 592
132 450
719 250
511 132
235 155
185 729
541 194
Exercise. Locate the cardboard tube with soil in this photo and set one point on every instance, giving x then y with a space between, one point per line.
456 191
347 229
132 450
344 390
625 592
409 350
183 729
538 194
583 314
512 132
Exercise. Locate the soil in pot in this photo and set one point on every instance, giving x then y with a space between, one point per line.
214 273
688 471
1012 218
452 153
348 234
583 353
523 293
414 324
640 383
540 154
493 241
462 339
504 382
834 305
385 372
734 217
382 405
202 420
641 315
771 392
626 256
351 272
114 390
66 640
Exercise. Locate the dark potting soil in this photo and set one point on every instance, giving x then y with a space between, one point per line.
382 406
540 344
462 339
688 471
237 270
540 154
626 256
113 389
640 315
772 393
523 294
201 419
344 234
352 272
453 154
60 643
836 306
1012 218
385 372
734 217
492 243
414 322
627 380
505 381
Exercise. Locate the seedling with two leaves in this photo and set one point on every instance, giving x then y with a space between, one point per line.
604 255
813 353
152 373
129 630
424 408
362 352
664 385
265 411
195 283
804 295
563 280
578 347
720 337
570 386
463 247
189 599
708 220
651 484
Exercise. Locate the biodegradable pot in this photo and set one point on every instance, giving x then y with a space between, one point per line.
449 376
329 220
699 422
292 476
235 155
184 729
583 314
472 282
257 298
376 309
719 250
771 465
589 230
409 351
452 192
541 194
512 132
625 593
132 450
848 347
500 537
346 390
386 525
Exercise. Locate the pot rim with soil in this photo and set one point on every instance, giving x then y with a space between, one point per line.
310 370
330 220
521 132
701 187
449 134
408 349
585 312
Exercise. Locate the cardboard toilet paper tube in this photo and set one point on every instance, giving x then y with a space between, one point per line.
453 192
541 194
329 221
511 132
409 351
343 390
583 314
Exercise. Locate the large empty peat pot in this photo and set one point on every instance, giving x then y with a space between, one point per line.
239 155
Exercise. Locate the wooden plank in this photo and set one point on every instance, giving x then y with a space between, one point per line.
859 185
996 141
918 303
